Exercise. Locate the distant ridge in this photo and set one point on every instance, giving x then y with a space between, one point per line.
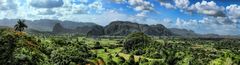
45 24
126 27
115 28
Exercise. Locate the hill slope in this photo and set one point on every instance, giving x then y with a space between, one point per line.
126 27
45 24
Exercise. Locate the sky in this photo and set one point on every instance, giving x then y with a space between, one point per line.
202 16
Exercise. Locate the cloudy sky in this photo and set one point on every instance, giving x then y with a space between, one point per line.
202 16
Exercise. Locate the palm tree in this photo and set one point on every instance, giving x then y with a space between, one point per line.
20 26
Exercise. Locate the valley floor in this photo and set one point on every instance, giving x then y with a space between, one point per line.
19 48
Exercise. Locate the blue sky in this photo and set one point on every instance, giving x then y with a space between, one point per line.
201 16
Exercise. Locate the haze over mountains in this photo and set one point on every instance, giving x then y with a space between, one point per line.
45 24
115 28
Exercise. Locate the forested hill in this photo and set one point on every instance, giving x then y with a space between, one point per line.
115 28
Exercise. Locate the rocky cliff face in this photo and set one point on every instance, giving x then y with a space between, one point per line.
96 31
91 30
126 27
121 28
116 28
87 30
58 28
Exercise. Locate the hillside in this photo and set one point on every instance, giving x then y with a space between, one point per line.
45 24
126 27
87 30
115 28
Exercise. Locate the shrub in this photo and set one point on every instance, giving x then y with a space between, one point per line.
97 45
139 52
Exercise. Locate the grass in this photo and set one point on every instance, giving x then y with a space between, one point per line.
106 55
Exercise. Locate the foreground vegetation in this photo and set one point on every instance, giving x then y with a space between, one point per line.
20 48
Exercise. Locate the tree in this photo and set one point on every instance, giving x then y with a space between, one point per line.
135 41
20 26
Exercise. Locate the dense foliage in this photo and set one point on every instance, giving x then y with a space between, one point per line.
20 48
135 41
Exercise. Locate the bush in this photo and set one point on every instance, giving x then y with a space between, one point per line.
71 53
139 52
156 55
18 49
97 45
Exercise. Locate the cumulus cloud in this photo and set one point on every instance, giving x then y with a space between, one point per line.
46 3
7 5
72 8
233 11
96 5
49 9
204 7
183 4
46 12
141 5
204 26
217 20
208 8
173 4
167 5
103 18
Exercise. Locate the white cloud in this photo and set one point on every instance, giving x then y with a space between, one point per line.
105 17
7 5
204 7
46 12
141 5
46 3
102 19
208 8
183 4
208 25
167 5
25 9
72 8
142 14
233 11
218 20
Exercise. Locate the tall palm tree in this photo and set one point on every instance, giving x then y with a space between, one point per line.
20 26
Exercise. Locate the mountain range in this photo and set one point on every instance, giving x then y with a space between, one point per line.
115 28
45 24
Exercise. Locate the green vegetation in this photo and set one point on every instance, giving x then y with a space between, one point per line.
20 26
20 48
